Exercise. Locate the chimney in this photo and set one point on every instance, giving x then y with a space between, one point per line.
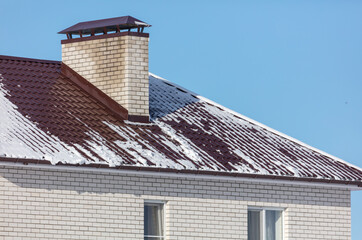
112 54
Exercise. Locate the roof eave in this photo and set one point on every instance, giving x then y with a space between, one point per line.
353 185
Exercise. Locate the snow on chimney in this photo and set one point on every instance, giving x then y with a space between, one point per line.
112 54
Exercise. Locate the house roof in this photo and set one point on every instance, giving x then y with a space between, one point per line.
48 119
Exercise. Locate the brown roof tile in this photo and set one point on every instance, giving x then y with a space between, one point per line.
47 117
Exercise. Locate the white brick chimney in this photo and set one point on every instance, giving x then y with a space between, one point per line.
113 58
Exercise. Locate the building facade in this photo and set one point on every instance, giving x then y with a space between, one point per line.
95 147
78 203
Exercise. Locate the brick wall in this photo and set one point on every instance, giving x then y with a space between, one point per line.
118 66
67 204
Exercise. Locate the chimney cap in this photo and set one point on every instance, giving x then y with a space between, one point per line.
105 25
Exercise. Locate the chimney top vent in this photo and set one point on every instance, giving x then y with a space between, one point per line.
105 26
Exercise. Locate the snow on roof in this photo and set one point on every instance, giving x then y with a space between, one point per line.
44 116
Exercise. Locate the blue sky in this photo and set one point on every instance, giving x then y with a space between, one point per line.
292 65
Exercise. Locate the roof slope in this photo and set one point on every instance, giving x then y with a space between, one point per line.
44 116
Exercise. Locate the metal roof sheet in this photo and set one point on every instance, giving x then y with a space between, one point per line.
47 117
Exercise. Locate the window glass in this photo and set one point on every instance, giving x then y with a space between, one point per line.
264 224
254 222
273 225
153 221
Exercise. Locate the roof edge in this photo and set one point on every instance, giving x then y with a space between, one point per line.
116 109
232 175
6 57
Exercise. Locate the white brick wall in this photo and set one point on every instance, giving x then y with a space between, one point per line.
118 66
67 204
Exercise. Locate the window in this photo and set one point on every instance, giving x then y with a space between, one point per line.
153 221
265 224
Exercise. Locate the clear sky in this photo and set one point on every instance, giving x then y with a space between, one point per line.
295 66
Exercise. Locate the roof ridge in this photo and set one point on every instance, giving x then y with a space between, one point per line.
115 108
14 58
102 19
258 123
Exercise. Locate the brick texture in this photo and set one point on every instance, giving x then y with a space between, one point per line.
118 66
67 204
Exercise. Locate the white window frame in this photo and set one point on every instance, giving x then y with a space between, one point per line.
157 202
262 210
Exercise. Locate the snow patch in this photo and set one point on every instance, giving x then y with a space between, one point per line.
250 161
